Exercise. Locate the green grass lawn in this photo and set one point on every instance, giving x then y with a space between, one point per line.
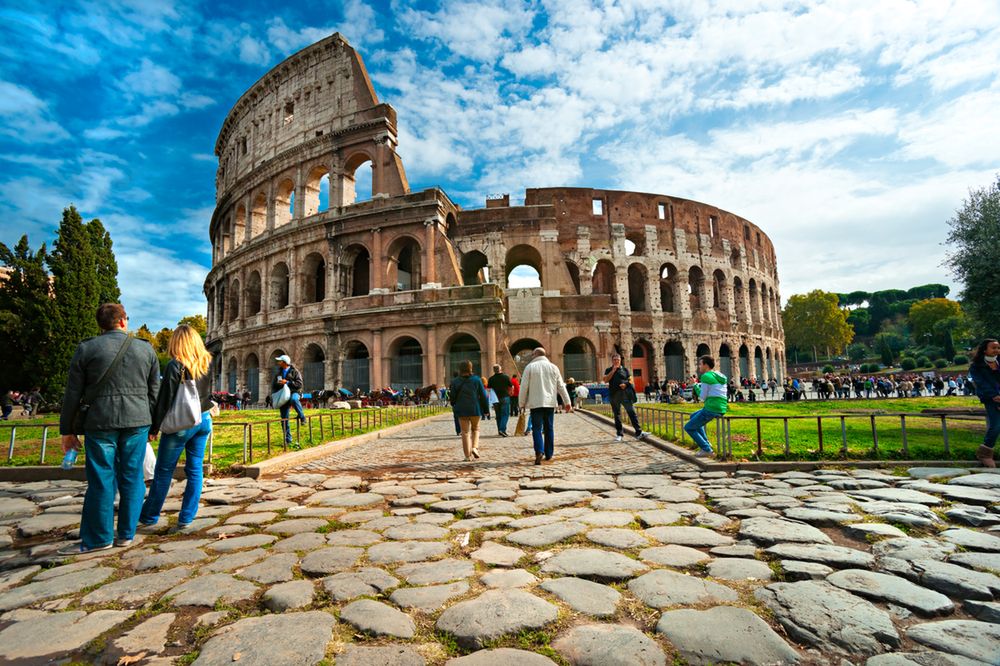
228 428
924 435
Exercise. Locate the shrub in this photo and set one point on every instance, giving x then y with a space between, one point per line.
940 363
827 368
960 360
908 364
923 362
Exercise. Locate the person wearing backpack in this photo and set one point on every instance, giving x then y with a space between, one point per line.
110 392
469 402
183 417
713 392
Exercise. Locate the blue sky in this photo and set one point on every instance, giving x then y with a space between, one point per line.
850 130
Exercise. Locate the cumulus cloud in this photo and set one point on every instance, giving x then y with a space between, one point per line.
27 118
151 80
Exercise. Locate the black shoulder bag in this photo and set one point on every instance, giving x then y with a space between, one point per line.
80 415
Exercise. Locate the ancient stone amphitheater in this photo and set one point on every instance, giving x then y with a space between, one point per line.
394 287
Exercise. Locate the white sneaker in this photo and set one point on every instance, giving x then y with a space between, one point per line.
642 435
618 438
704 454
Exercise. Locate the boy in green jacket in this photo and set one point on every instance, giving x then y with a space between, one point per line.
713 392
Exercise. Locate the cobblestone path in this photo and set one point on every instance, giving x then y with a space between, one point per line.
433 449
500 563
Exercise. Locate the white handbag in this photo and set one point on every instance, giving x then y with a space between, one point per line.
186 411
281 397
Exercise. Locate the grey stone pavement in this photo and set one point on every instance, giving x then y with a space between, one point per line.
397 552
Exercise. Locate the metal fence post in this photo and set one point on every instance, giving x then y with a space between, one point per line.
819 430
944 433
902 429
45 439
787 441
843 436
245 452
13 438
874 436
760 440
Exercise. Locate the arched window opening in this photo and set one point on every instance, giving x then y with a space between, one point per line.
524 344
450 226
252 373
602 280
668 286
637 288
463 348
314 278
313 369
703 350
734 258
770 363
284 203
635 245
673 356
738 300
725 360
356 367
232 377
258 215
744 361
579 360
524 267
279 286
754 303
758 363
234 303
642 364
696 287
719 291
360 272
237 232
475 268
404 262
406 364
358 180
317 182
220 305
574 275
253 294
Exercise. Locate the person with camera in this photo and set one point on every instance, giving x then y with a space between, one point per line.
621 394
288 377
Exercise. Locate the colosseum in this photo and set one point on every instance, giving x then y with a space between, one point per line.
394 287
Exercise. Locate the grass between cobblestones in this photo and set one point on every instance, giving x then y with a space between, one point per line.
924 434
228 431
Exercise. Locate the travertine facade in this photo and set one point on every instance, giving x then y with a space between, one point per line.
397 289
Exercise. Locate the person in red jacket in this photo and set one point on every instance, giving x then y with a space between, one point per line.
515 390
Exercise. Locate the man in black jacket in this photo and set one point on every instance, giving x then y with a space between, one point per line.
288 376
116 427
621 393
501 385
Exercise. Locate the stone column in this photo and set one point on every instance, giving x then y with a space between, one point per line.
300 195
270 206
653 291
264 379
682 300
376 381
247 219
430 260
491 345
551 257
431 369
377 262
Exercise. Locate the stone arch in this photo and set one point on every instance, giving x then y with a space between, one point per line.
770 363
574 275
744 362
754 302
673 357
258 215
358 187
232 375
317 190
406 363
725 360
668 288
462 347
314 278
279 289
637 281
403 266
234 303
284 202
643 363
524 344
313 368
252 376
253 300
603 280
579 360
475 268
702 350
758 363
720 291
523 256
237 231
450 226
635 244
739 301
357 366
355 271
696 287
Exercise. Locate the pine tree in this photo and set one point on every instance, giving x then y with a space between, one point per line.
77 295
25 315
106 266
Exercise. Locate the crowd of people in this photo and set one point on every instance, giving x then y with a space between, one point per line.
29 401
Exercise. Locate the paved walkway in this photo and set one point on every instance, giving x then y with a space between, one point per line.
583 446
415 558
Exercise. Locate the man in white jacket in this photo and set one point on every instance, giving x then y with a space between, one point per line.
541 383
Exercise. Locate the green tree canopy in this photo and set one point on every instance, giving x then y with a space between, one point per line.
925 291
197 322
25 315
975 254
926 314
815 321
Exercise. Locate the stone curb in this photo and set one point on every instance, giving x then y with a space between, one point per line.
780 466
296 458
78 472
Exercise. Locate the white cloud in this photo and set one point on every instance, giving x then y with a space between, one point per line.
253 51
151 80
962 132
25 117
481 30
190 100
103 133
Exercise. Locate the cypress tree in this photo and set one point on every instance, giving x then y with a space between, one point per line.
25 316
77 295
105 264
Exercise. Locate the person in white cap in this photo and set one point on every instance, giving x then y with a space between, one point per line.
288 376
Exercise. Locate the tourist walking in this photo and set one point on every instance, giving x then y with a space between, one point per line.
985 373
515 389
713 392
541 388
110 392
6 404
501 385
469 402
621 394
288 377
184 427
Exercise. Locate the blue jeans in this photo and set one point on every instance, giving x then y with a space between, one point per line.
542 430
503 414
616 404
696 428
114 459
192 443
992 423
284 409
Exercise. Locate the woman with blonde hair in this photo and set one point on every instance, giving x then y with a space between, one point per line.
189 361
469 402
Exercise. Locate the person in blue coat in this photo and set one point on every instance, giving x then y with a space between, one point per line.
985 373
469 402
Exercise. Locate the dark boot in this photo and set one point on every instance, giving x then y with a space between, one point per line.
985 456
538 458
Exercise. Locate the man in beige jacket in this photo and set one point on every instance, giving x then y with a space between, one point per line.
541 383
